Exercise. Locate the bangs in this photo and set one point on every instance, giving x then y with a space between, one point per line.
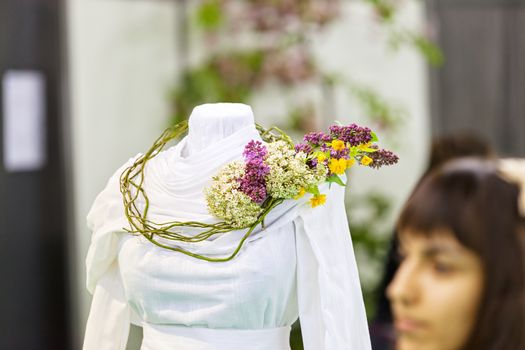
450 199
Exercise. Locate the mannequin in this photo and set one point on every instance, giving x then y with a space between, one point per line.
212 122
300 265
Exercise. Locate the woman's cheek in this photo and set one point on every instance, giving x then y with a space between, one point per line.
452 299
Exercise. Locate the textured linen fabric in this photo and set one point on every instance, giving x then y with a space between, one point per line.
301 265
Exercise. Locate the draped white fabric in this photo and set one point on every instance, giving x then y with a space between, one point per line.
301 265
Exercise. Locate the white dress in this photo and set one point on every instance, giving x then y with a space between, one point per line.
301 265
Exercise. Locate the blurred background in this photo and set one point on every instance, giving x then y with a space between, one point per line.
86 84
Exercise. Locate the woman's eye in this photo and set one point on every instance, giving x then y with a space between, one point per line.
443 268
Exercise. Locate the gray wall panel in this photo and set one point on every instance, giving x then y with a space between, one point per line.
481 86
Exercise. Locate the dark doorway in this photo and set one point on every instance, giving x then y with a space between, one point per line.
33 294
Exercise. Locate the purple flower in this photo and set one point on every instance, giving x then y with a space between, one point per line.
254 150
353 134
253 183
303 147
339 154
324 147
382 157
255 190
326 138
316 138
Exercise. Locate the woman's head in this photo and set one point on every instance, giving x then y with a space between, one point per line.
461 284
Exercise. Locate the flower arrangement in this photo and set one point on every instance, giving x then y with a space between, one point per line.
244 192
279 170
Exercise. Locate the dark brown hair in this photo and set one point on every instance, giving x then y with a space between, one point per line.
468 198
460 144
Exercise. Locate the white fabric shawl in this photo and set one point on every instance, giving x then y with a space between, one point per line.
302 264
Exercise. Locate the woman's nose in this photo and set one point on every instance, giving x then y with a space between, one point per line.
404 287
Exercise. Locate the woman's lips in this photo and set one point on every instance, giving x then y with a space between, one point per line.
408 325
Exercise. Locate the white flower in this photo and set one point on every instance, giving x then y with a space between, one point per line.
289 174
289 171
227 202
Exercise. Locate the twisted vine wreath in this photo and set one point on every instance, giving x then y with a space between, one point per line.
131 187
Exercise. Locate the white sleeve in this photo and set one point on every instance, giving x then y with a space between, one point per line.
331 307
109 317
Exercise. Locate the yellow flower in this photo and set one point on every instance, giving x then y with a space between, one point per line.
321 157
364 146
366 160
338 145
300 194
318 200
337 166
350 162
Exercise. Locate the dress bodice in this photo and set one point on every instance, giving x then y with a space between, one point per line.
255 290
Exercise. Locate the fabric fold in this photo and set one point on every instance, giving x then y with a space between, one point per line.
109 317
106 220
331 307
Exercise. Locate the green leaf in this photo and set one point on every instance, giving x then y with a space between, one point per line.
313 190
429 50
336 179
209 15
374 137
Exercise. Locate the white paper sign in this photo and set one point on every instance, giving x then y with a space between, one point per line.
24 120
